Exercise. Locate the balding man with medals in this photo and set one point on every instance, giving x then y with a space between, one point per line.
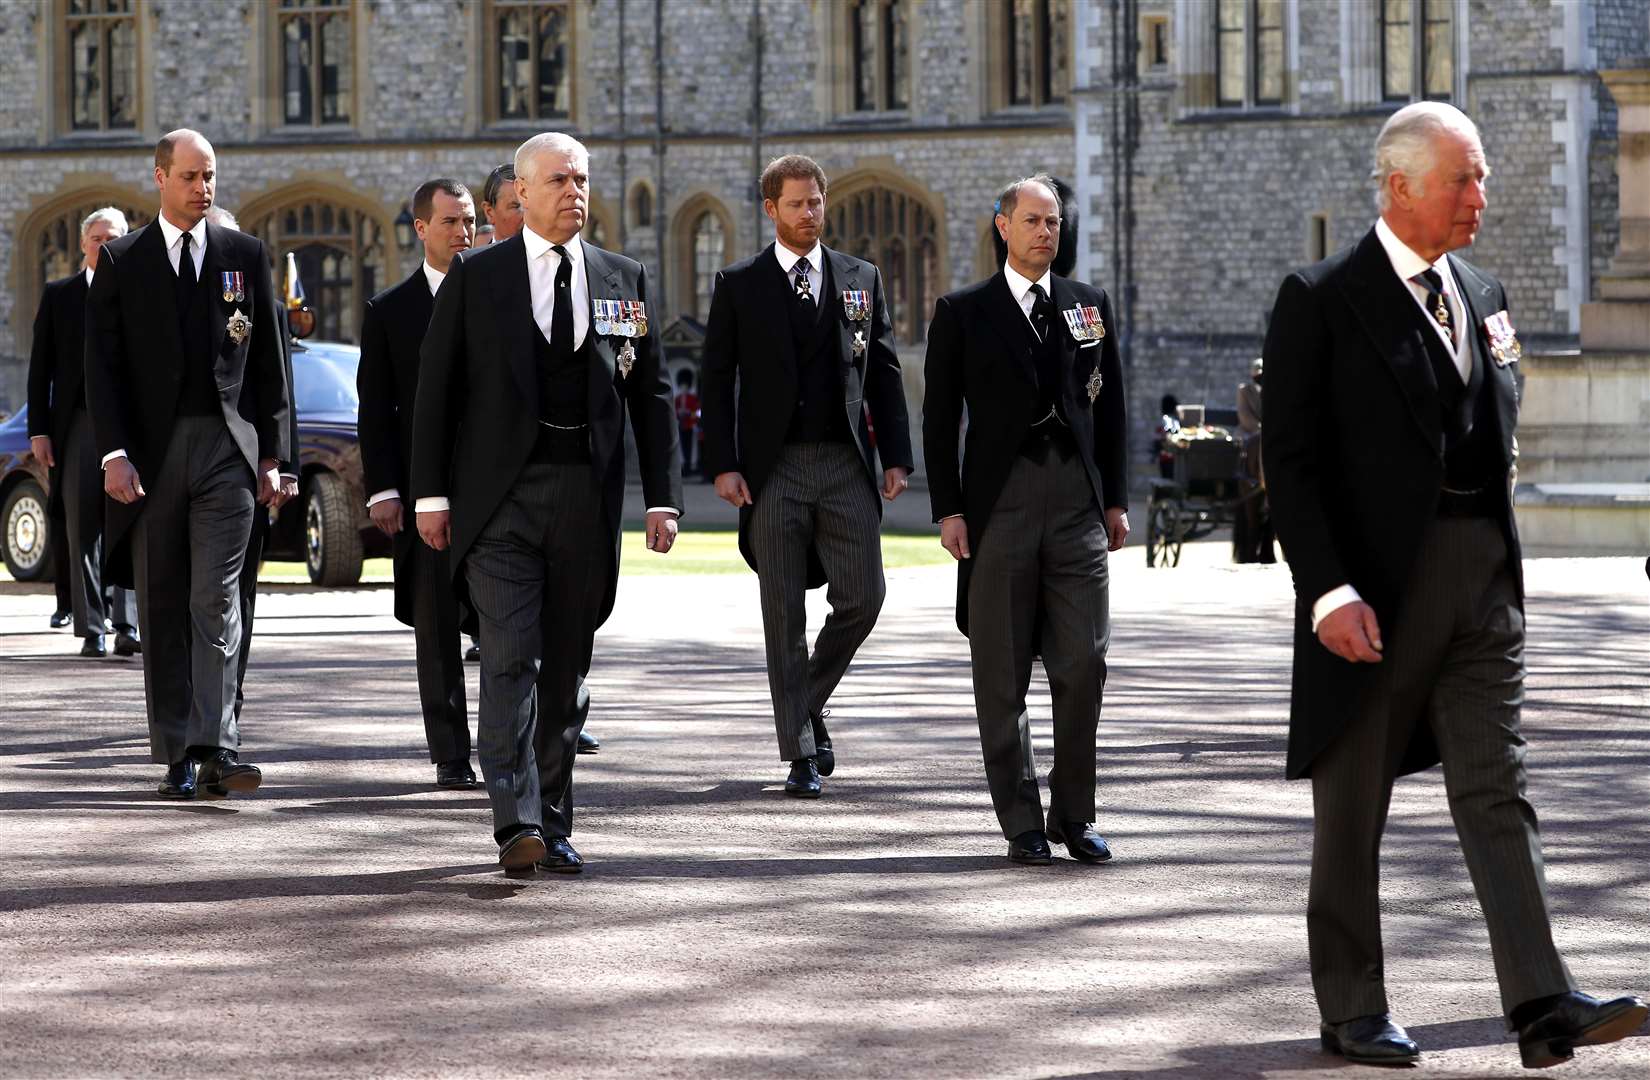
537 348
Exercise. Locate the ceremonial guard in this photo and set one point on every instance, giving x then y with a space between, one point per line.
1043 498
1391 400
392 332
187 387
537 348
803 332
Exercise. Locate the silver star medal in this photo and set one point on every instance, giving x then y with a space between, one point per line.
859 343
1095 383
238 326
627 359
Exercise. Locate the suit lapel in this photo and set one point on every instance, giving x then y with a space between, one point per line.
602 282
213 265
774 296
1063 298
1478 297
508 282
841 276
1004 316
1387 313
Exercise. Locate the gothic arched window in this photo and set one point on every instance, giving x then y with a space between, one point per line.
899 233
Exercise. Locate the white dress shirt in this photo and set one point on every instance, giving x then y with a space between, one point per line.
174 248
1020 286
814 269
433 278
1406 264
542 264
88 272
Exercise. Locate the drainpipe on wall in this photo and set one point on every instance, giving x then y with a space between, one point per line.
756 117
624 171
659 150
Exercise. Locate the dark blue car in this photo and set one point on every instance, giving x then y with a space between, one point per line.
327 527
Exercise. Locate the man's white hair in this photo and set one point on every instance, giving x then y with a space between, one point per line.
1408 144
222 218
112 215
549 142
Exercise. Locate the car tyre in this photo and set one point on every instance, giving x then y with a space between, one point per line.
28 551
332 540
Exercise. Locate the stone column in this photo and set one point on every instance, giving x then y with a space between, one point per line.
1620 319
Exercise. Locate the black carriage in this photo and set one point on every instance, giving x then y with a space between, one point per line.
1204 491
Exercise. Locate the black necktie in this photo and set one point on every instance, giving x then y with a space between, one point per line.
804 291
561 311
186 274
1436 303
1040 312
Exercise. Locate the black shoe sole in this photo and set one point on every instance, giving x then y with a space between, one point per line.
456 785
561 868
797 793
176 795
825 761
1032 860
1545 1053
239 784
1332 1045
589 750
119 651
1059 838
522 854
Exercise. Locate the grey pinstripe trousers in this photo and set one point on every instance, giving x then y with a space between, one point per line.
1454 660
537 575
817 496
1041 576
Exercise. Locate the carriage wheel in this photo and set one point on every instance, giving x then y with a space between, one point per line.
1163 534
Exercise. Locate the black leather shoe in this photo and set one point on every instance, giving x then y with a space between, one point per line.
824 756
1369 1040
518 854
1030 848
560 858
127 643
1082 842
60 619
179 782
473 654
222 774
588 743
803 783
455 775
93 646
1575 1019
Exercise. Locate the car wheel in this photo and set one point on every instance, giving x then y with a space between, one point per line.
28 533
332 542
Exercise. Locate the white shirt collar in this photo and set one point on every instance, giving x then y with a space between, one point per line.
788 258
538 245
434 277
88 271
1019 284
171 233
1405 263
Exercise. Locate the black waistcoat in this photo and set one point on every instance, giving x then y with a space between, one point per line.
564 378
1472 454
199 394
820 415
1046 358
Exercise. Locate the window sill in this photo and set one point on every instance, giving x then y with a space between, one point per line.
314 132
1223 114
874 117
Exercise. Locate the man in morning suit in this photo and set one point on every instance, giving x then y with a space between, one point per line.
392 332
502 205
1390 407
60 435
518 468
1030 520
805 332
187 388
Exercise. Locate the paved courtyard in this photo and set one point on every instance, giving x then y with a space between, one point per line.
349 920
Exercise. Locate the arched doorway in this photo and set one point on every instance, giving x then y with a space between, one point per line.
340 254
50 244
898 231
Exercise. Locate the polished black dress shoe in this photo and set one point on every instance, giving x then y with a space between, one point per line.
588 743
60 619
222 774
824 756
1082 842
1030 848
455 775
1369 1040
519 853
560 858
93 646
127 643
803 783
179 782
1565 1021
473 654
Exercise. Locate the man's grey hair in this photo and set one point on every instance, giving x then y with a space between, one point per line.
1009 197
112 215
549 142
222 218
1408 144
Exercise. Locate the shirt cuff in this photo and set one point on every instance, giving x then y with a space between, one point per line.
387 493
664 510
289 476
1335 598
111 455
430 504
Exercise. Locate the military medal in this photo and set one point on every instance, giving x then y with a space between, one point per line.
238 326
640 321
859 343
1084 323
856 304
600 313
1095 383
232 287
627 359
1504 346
